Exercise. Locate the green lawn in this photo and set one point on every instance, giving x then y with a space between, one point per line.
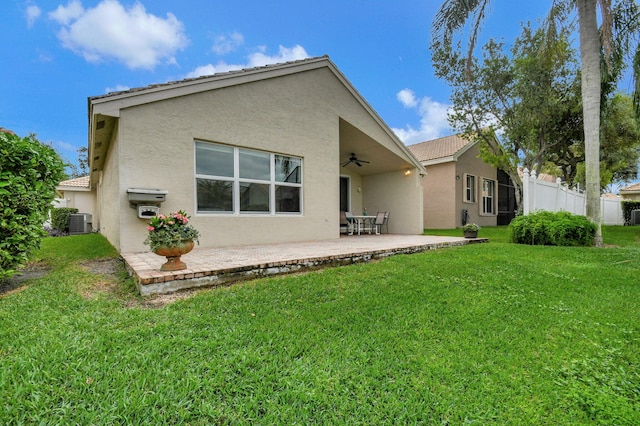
487 333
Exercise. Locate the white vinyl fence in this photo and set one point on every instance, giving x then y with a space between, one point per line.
541 195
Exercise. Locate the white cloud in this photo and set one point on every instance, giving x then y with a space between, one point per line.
109 31
64 146
33 12
118 88
224 44
256 59
64 14
407 98
285 54
433 118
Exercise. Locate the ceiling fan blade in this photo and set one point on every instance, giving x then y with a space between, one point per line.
358 163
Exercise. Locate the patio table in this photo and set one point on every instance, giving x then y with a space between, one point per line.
362 221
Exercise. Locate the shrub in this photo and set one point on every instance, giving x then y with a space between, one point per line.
29 173
60 218
553 229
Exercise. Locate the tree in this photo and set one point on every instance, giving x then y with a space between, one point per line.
518 103
82 168
619 144
618 24
29 173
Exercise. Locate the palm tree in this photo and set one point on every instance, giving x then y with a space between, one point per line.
454 14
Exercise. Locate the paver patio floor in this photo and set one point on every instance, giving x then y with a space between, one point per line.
220 266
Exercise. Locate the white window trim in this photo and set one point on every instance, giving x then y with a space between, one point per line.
236 180
494 198
464 189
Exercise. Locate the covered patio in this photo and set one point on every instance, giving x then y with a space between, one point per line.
225 265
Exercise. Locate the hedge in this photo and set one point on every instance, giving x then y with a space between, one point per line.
60 218
627 207
29 174
553 229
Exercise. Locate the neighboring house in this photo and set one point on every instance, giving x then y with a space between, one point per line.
76 193
254 156
631 192
460 187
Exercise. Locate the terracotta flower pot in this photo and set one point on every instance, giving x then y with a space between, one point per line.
173 255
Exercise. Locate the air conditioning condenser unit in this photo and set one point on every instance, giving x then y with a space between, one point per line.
80 223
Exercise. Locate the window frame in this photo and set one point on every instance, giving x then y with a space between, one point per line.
237 182
492 198
465 193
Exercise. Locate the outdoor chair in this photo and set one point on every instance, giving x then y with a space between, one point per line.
347 220
382 220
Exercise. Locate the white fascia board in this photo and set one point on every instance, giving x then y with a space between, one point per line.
440 161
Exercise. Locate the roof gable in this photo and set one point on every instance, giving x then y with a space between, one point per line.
104 110
80 182
441 150
631 188
162 91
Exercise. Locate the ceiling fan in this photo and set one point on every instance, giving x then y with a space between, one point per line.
353 159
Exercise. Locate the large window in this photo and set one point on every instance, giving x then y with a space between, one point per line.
469 188
488 197
237 180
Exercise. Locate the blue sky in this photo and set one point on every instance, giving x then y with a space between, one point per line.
59 53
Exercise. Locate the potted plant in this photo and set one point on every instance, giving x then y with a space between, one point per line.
171 236
470 230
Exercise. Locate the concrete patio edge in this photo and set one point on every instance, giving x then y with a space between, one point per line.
226 265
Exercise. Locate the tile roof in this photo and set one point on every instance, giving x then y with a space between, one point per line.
81 182
205 77
447 146
631 188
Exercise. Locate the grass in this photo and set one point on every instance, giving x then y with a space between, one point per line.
487 333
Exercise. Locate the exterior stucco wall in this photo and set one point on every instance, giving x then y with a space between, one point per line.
631 197
83 200
440 195
398 194
110 205
469 163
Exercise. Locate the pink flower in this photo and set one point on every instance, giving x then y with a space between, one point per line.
150 228
170 222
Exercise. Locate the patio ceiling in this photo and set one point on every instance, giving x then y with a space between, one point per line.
381 159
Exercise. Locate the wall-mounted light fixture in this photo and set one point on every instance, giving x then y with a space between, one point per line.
457 177
407 172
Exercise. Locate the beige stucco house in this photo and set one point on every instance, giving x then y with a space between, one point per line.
459 185
630 192
76 193
254 156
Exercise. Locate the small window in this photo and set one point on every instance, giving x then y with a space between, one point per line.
469 188
488 197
